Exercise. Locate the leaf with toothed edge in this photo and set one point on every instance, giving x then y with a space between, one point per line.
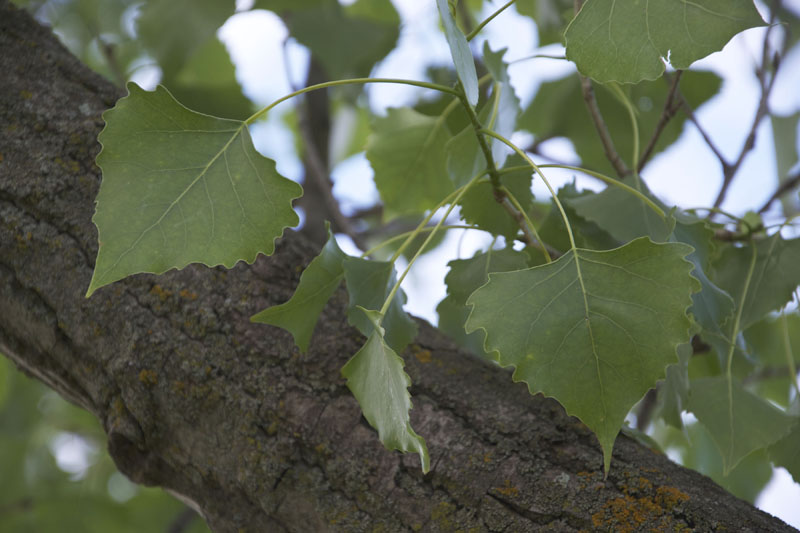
376 378
180 187
594 330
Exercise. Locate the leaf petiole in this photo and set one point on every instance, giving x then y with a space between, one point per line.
352 81
406 234
488 19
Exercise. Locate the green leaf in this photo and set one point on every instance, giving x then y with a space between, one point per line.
587 233
775 276
199 21
463 152
466 275
786 452
558 110
376 378
207 83
767 341
369 284
462 55
673 394
180 187
317 283
479 207
628 41
407 153
452 317
712 307
623 215
551 17
595 330
739 421
348 41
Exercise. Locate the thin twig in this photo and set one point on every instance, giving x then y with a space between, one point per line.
763 107
786 186
666 115
602 130
703 133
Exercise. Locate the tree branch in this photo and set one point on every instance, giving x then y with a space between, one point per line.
790 183
669 111
225 413
619 165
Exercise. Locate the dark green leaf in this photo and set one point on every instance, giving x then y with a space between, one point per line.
775 276
587 233
369 284
786 452
595 330
407 153
784 134
180 187
739 422
628 41
317 283
673 393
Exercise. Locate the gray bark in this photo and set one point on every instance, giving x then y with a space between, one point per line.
228 415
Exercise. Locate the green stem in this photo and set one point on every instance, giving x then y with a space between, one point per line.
602 177
528 221
623 98
352 81
405 235
453 204
537 56
738 318
535 167
480 26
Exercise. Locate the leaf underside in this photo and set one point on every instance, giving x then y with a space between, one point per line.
180 187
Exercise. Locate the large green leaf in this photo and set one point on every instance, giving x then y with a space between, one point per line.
320 278
739 421
180 187
462 55
198 21
376 378
369 284
595 330
407 153
628 41
558 110
775 276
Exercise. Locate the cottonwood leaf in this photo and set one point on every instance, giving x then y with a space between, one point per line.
623 215
180 187
156 27
595 330
479 207
462 55
786 452
319 280
407 152
739 421
628 41
587 234
673 394
464 155
376 378
507 103
369 284
775 276
712 307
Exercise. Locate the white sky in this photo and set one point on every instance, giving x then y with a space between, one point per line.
687 174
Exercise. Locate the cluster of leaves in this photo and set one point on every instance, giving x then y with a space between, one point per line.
595 297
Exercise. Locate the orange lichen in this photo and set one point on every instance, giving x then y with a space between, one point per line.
508 490
423 356
162 293
649 512
187 294
148 377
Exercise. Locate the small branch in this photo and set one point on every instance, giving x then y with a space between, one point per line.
602 130
703 133
786 186
729 171
670 108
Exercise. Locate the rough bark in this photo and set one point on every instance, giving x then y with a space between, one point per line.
230 416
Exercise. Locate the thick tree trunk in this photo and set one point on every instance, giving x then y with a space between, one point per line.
228 415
